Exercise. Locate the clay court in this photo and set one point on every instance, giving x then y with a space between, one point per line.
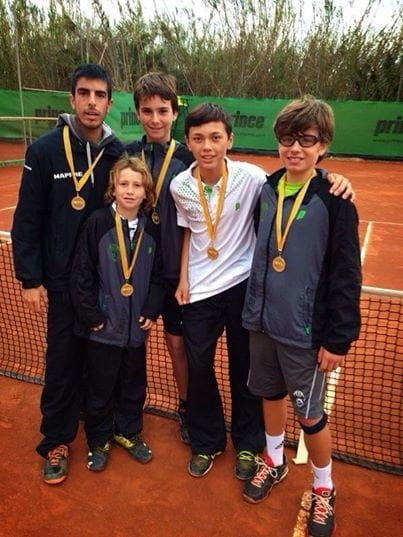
160 499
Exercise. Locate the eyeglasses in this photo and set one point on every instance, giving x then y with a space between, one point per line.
305 140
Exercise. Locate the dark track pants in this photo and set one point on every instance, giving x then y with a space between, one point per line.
61 395
116 391
204 322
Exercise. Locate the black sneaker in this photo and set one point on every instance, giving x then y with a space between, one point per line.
321 520
98 457
246 465
55 468
135 446
200 463
258 488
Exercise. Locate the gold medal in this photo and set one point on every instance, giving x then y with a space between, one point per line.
278 263
78 203
212 253
127 289
155 217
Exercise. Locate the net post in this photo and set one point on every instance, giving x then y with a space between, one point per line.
302 453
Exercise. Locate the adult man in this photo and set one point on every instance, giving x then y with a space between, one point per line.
64 179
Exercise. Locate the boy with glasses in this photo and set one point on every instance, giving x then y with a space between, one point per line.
302 302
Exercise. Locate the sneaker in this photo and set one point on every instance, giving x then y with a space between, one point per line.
246 465
55 467
321 520
182 425
135 446
200 464
258 488
98 457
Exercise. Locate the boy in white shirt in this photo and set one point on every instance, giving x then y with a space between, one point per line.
215 199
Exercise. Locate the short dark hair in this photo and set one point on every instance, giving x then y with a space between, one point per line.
206 113
156 84
94 71
305 113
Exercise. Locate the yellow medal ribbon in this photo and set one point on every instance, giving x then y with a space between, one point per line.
278 262
161 176
212 252
126 289
77 202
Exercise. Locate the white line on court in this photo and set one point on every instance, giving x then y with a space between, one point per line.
7 208
366 241
381 222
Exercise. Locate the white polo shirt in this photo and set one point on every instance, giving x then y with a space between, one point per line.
235 237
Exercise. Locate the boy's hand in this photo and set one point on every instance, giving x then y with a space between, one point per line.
328 361
35 298
341 186
145 324
182 293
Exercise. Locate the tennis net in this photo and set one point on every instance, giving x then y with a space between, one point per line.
363 398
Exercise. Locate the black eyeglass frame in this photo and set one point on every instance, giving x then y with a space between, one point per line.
304 140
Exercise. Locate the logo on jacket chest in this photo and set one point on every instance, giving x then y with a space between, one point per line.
66 175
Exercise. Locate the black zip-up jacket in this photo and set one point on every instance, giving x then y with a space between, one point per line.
46 227
97 277
316 300
171 233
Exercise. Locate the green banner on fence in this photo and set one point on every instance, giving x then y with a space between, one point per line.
363 128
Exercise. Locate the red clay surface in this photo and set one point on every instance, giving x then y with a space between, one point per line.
161 499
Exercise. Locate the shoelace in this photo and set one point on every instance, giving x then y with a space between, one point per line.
262 473
57 454
246 456
205 457
322 508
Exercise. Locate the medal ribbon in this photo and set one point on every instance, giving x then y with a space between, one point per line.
127 270
163 170
69 156
212 228
281 238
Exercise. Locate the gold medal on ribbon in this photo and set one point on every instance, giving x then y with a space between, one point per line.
278 264
212 252
155 217
78 203
127 289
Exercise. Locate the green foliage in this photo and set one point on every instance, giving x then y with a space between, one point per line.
239 48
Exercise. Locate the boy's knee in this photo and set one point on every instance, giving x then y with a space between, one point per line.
312 428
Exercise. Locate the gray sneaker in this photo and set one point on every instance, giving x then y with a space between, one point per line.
246 465
98 457
200 463
135 446
55 468
321 520
258 488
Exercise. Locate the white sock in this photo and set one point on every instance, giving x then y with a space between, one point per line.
322 477
275 448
